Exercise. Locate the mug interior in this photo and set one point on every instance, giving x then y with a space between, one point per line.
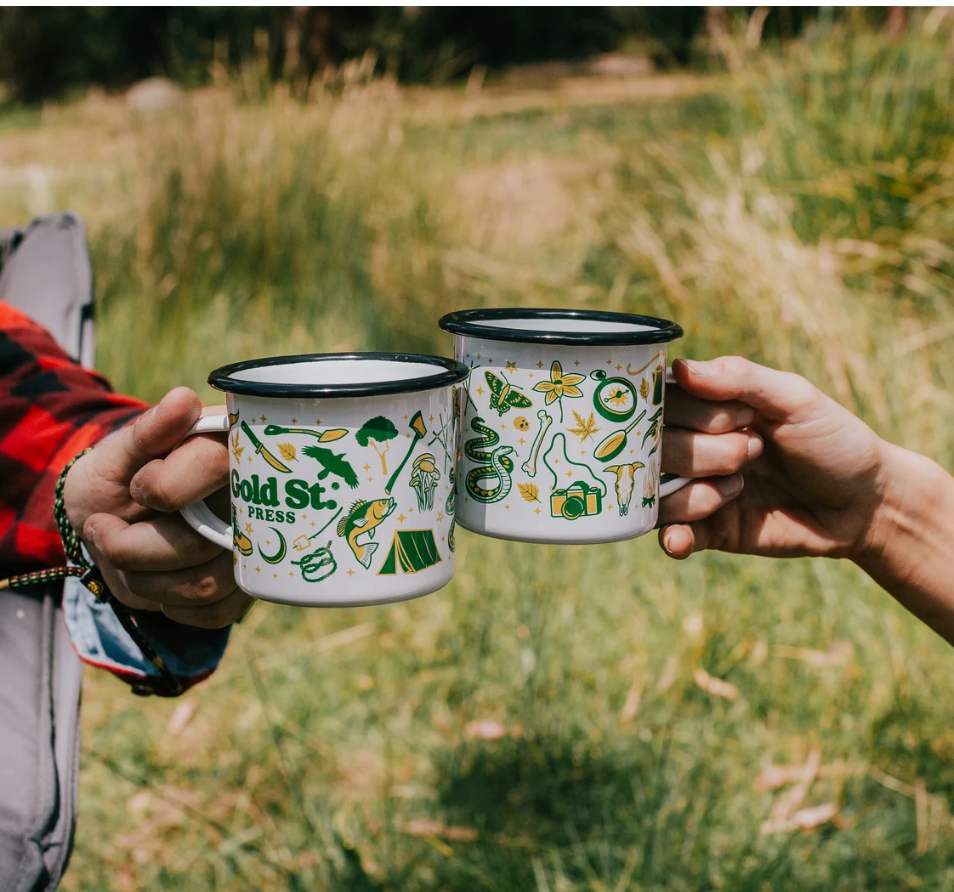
329 375
330 372
577 326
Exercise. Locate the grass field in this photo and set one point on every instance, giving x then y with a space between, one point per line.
553 720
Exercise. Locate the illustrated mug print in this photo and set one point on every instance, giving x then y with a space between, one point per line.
578 464
337 498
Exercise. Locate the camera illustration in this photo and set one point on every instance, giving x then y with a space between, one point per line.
577 500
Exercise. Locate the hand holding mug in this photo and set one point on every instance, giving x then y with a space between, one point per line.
812 471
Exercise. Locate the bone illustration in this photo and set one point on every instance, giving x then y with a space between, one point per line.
624 483
529 467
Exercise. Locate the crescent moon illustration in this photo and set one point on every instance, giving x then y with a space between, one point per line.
279 556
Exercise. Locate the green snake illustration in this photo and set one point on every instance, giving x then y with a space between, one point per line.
500 465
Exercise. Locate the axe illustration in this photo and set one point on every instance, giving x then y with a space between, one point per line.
420 431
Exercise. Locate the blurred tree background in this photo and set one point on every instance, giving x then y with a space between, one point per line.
50 52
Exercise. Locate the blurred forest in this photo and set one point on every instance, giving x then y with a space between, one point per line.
51 52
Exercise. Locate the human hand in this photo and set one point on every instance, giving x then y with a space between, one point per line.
813 472
123 499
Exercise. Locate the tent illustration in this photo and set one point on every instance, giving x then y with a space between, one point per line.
411 550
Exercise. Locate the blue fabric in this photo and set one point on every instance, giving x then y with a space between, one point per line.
100 639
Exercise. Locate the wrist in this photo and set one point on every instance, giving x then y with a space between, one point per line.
907 488
75 486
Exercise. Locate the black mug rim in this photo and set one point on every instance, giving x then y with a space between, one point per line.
222 378
467 323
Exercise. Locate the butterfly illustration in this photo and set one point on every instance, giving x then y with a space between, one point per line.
505 395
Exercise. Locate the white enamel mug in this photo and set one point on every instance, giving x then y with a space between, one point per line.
341 473
562 423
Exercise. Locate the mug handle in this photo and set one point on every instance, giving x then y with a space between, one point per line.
198 515
672 483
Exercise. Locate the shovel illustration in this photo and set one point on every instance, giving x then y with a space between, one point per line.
263 452
328 436
614 443
420 431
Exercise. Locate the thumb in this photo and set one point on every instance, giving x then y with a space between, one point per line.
776 395
154 434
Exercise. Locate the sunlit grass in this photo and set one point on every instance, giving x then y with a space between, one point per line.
550 713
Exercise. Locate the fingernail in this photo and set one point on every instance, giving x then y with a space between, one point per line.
701 369
731 486
746 416
89 534
137 492
666 542
755 446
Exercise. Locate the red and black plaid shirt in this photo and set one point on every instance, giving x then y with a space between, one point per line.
50 409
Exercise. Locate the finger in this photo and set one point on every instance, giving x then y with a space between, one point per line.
194 470
776 395
692 413
193 587
154 433
700 499
690 454
681 540
163 544
212 616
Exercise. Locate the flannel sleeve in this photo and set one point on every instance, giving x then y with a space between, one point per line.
51 409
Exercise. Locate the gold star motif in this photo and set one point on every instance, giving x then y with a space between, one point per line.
275 575
314 524
248 528
537 510
243 565
410 510
258 569
294 421
531 374
503 427
480 390
478 356
511 366
582 452
264 419
490 362
569 473
290 573
540 364
405 417
241 510
556 461
250 459
304 517
367 467
576 363
440 516
401 518
618 367
268 541
609 361
431 419
351 572
317 422
521 441
370 480
507 507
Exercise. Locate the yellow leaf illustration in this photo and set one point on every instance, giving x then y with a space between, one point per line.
287 451
584 429
529 492
236 449
644 389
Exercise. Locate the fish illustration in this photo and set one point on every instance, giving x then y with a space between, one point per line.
364 517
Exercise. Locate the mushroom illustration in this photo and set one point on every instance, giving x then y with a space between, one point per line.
424 477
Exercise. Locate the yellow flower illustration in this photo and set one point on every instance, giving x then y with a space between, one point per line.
559 386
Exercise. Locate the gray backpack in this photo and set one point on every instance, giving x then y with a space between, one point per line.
45 273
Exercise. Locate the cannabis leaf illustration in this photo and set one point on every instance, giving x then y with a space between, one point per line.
644 389
287 451
584 429
236 449
529 492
